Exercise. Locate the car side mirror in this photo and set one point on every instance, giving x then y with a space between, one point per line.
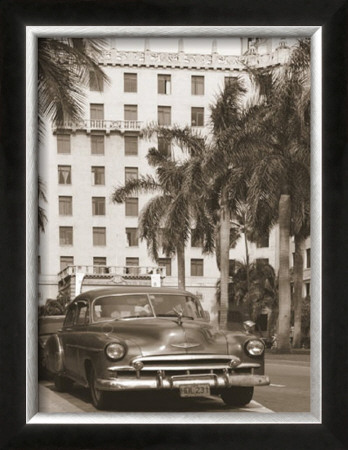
206 316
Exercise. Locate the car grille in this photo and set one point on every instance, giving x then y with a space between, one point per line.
177 365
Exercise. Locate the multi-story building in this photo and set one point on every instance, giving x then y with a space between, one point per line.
81 163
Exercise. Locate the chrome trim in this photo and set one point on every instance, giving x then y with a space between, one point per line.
184 357
185 345
161 382
185 366
82 347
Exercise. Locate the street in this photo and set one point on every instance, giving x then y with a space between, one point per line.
289 391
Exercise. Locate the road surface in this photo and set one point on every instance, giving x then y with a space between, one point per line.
289 392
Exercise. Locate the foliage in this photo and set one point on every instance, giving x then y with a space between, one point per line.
55 307
64 66
167 218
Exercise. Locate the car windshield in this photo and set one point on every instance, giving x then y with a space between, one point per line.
117 307
169 305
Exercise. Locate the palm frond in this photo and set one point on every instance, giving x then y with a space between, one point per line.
144 184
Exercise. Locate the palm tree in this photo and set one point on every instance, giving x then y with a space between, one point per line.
42 218
64 67
279 189
236 137
169 215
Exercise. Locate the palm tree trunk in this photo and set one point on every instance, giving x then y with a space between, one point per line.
180 254
284 278
247 271
225 226
298 286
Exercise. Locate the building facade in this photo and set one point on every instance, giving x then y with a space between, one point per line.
81 163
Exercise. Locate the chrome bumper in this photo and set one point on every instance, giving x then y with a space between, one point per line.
174 382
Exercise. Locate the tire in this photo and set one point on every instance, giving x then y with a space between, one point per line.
237 396
99 398
62 384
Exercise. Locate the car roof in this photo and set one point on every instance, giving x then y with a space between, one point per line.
94 293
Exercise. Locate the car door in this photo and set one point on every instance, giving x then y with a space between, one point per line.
66 336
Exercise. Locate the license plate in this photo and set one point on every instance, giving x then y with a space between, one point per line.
194 390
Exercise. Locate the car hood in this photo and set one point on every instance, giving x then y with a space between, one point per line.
166 336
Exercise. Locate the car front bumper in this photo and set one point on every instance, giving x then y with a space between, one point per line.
175 381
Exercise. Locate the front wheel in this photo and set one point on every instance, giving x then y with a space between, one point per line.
237 396
99 398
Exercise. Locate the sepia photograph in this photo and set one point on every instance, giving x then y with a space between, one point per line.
174 236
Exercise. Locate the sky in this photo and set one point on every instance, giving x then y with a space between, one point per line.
225 46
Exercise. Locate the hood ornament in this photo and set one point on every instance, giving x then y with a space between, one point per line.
179 313
186 345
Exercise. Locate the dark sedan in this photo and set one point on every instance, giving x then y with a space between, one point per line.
130 338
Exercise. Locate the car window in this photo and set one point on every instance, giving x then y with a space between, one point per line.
116 307
70 316
170 304
82 314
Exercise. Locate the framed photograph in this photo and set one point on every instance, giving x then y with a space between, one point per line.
159 89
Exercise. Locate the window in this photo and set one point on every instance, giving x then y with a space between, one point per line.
164 146
229 80
231 267
163 83
98 175
66 235
132 237
64 174
131 145
197 85
196 241
265 83
82 313
39 264
130 112
98 206
97 144
66 261
63 143
131 206
164 115
100 261
308 289
261 262
96 82
130 82
160 237
196 267
65 206
99 236
132 266
167 263
70 316
97 111
130 173
262 242
197 117
308 258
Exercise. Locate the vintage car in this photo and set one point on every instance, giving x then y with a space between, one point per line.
130 338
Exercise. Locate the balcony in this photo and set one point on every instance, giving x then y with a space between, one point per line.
126 272
120 126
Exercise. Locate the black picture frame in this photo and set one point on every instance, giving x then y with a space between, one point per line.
14 16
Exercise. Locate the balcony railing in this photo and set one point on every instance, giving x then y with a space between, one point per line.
123 271
100 125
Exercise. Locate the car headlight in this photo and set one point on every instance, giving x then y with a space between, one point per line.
255 347
115 351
